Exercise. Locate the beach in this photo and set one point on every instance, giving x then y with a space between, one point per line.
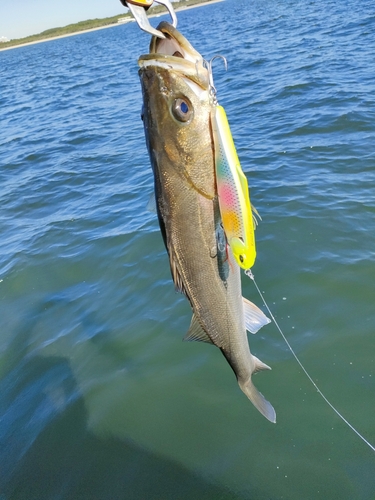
178 9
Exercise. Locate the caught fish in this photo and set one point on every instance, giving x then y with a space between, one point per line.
233 192
177 115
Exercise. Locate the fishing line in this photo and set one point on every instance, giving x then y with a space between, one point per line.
251 276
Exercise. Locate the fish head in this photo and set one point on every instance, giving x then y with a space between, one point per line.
173 66
177 106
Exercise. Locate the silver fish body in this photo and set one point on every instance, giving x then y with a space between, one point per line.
176 115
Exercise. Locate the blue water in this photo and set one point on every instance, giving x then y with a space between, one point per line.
99 398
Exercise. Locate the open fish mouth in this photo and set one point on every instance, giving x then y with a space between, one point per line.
174 52
174 44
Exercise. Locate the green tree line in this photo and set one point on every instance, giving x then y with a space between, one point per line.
90 24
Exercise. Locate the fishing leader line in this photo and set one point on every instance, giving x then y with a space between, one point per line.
251 276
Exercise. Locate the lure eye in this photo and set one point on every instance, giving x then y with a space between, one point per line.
182 109
242 259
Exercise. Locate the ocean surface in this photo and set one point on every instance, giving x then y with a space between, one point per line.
99 397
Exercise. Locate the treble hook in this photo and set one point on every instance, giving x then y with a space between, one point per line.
208 65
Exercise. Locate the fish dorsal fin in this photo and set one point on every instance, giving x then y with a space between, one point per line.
254 317
259 365
196 332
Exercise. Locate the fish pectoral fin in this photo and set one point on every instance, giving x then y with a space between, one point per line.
259 365
254 317
196 332
177 279
151 205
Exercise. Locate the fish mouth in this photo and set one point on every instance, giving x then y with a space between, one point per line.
174 44
174 52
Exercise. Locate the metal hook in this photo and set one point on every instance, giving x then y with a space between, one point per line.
208 65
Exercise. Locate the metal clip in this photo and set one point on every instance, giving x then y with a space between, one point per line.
138 9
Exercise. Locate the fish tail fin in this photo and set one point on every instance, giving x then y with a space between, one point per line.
258 400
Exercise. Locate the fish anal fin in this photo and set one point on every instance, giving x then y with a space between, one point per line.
254 317
259 365
196 332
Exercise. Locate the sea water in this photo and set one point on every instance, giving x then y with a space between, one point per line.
99 396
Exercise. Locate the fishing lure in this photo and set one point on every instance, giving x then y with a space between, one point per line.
233 192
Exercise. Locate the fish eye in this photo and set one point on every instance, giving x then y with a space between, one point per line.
182 109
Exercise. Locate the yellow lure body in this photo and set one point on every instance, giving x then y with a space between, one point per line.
233 192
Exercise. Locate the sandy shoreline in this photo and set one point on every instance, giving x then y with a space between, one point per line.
105 27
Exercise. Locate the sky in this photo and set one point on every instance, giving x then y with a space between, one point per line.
20 18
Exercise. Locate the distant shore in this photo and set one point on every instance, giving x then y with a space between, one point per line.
112 25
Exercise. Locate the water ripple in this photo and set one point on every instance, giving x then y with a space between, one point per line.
91 324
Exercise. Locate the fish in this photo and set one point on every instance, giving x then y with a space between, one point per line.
176 116
233 192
